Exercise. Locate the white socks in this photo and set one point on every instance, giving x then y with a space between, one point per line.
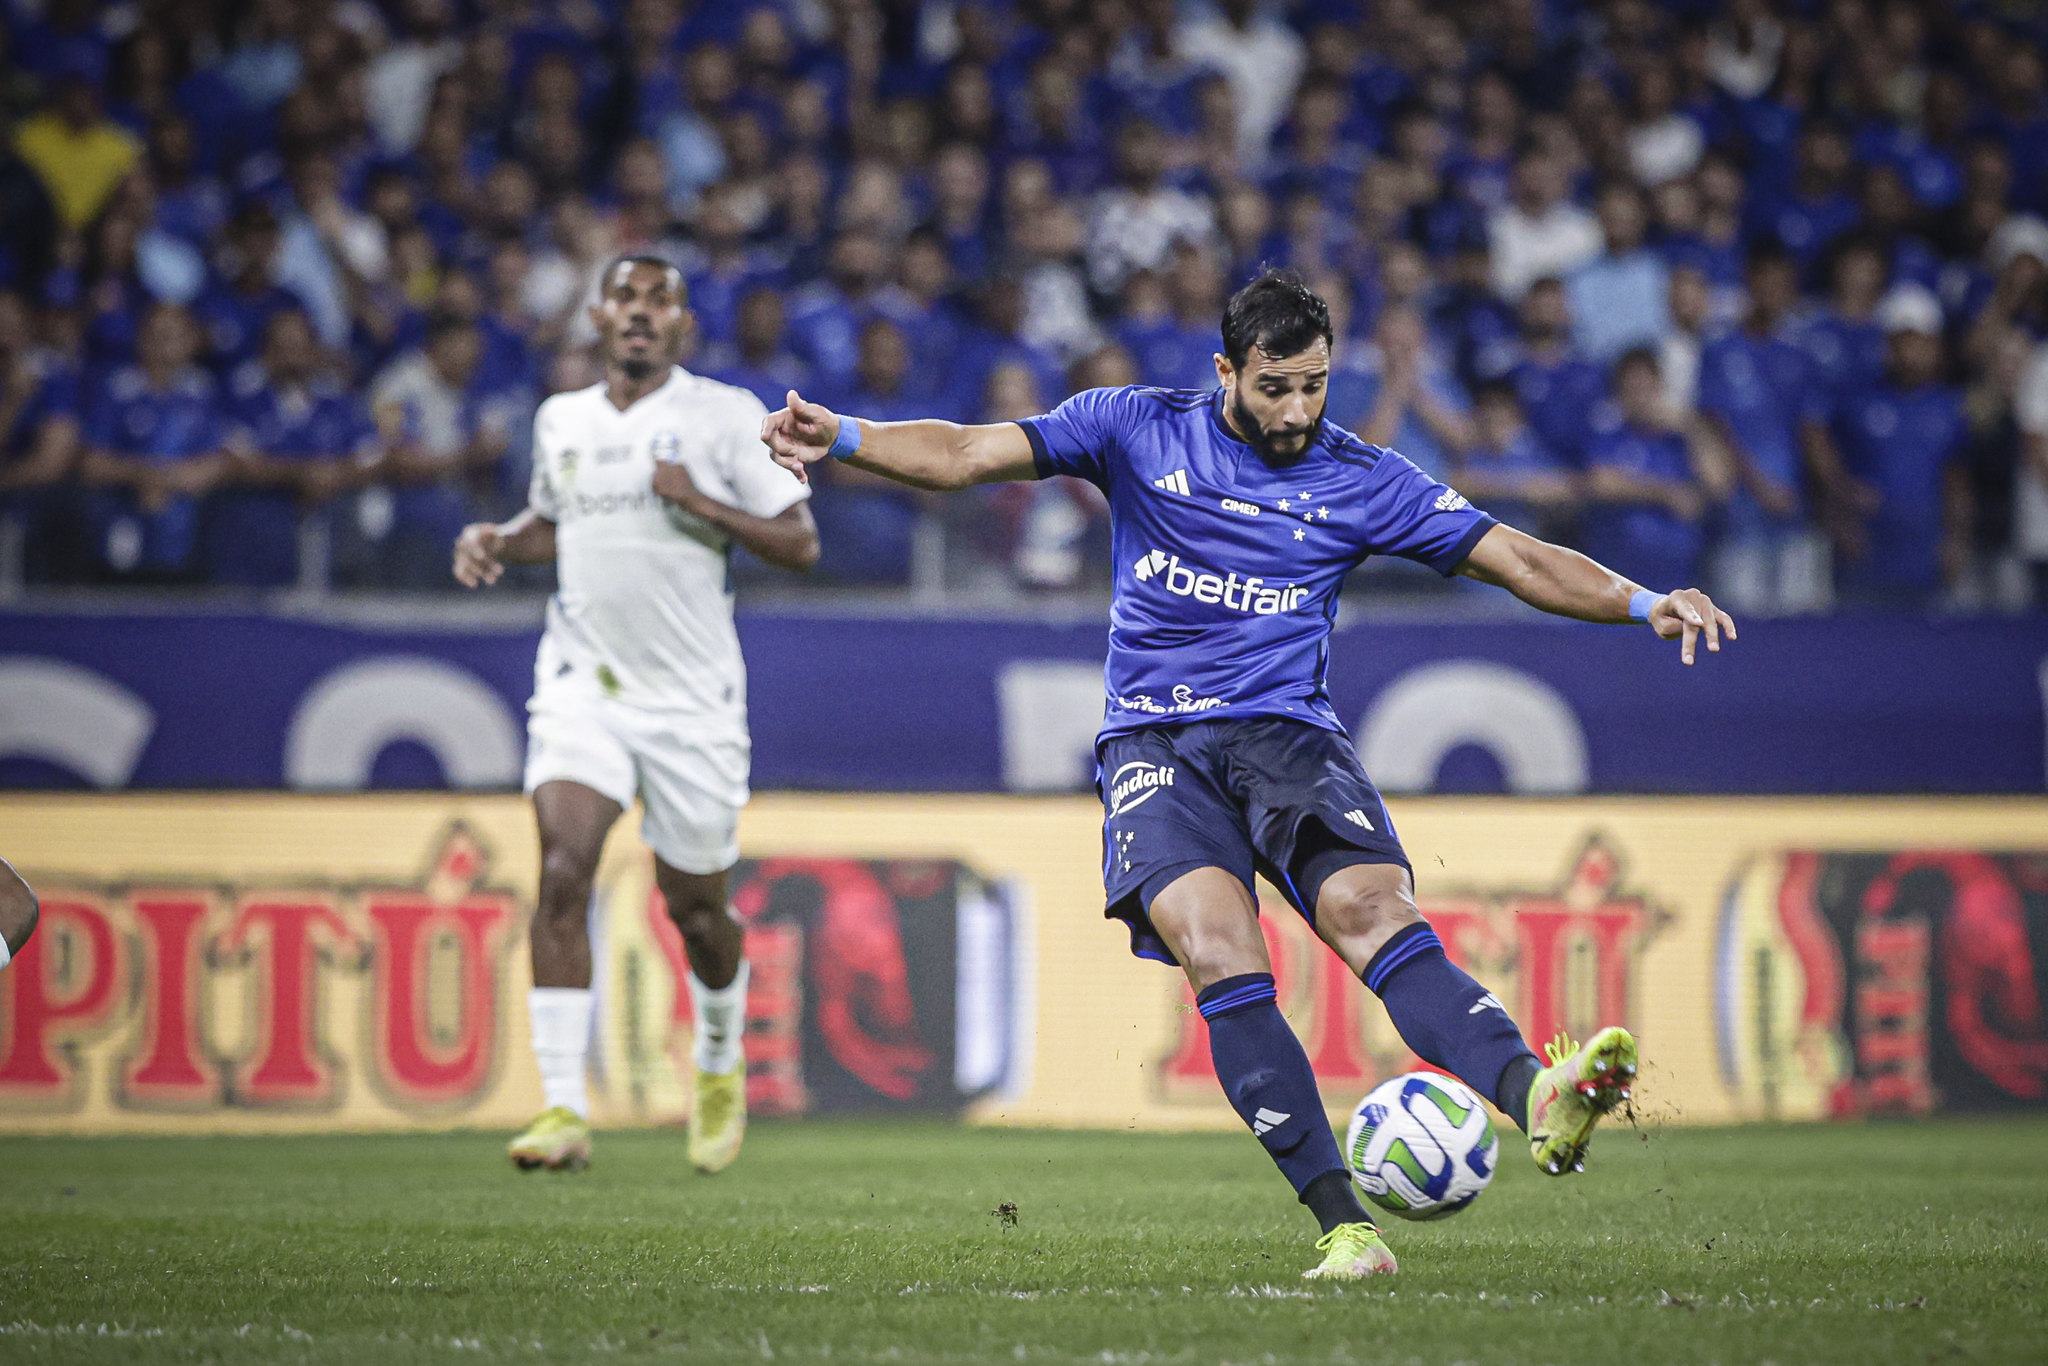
721 1022
561 1038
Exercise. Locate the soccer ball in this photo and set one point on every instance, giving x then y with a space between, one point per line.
1421 1146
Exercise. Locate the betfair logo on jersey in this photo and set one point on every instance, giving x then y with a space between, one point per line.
1252 595
1135 784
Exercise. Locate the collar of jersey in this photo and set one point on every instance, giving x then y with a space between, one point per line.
604 391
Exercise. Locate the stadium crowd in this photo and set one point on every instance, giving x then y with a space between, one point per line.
1749 293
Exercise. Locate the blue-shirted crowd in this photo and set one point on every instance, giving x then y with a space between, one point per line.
1745 293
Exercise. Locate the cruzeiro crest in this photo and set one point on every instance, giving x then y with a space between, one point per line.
665 447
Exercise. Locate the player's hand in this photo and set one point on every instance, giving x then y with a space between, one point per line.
476 555
673 484
800 434
1689 614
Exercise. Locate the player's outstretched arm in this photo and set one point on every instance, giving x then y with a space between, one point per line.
926 454
18 911
1568 584
484 548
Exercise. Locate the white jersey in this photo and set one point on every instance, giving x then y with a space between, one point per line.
644 607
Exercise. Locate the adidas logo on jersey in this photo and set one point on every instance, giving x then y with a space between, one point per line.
1487 1002
1265 1120
1357 817
1177 482
1252 595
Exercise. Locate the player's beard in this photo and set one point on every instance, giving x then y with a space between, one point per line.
1257 437
636 369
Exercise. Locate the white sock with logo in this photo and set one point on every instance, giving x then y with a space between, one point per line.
561 1040
721 1022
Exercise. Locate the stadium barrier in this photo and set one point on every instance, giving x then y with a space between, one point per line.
404 695
239 963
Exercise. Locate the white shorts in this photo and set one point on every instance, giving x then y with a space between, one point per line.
690 774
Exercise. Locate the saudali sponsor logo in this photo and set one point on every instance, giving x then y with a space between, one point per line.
1136 783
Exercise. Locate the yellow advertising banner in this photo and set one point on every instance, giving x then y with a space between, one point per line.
240 963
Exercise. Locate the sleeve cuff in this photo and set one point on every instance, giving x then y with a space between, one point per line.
1041 458
1458 553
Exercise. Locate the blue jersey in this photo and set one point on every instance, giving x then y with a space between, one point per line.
1226 568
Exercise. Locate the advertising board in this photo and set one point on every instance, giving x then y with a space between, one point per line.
236 963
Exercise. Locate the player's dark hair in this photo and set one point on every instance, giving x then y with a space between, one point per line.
1638 356
636 258
1278 313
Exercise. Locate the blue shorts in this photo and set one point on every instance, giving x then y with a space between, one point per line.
1252 796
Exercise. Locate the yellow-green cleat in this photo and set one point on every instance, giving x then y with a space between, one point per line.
1570 1096
558 1140
1351 1252
718 1119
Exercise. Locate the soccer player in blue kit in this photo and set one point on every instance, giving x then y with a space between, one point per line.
1236 515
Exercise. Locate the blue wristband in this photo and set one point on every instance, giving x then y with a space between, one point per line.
847 440
1640 602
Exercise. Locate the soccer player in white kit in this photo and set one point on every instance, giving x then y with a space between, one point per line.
641 485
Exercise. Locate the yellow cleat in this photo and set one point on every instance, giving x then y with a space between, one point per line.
557 1140
718 1119
1574 1093
1351 1252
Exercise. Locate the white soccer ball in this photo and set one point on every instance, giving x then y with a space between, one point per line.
1421 1146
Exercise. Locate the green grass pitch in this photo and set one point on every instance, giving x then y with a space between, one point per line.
873 1242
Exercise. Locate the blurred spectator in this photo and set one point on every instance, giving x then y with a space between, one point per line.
1647 485
1409 400
757 358
1539 232
1758 390
1053 542
445 438
1558 387
1679 350
401 77
2030 475
1261 56
1816 207
1137 220
153 436
866 523
80 154
826 317
296 437
244 298
1844 341
1664 141
1905 438
39 442
1618 299
1507 470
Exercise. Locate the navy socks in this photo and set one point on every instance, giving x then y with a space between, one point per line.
1450 1020
1266 1075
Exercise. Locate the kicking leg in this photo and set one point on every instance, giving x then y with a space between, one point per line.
1209 921
715 944
1366 912
573 821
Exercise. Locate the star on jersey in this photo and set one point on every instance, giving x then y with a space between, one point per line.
1300 535
1323 514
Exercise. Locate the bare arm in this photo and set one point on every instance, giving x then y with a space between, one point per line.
484 548
788 540
926 454
1567 584
49 460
